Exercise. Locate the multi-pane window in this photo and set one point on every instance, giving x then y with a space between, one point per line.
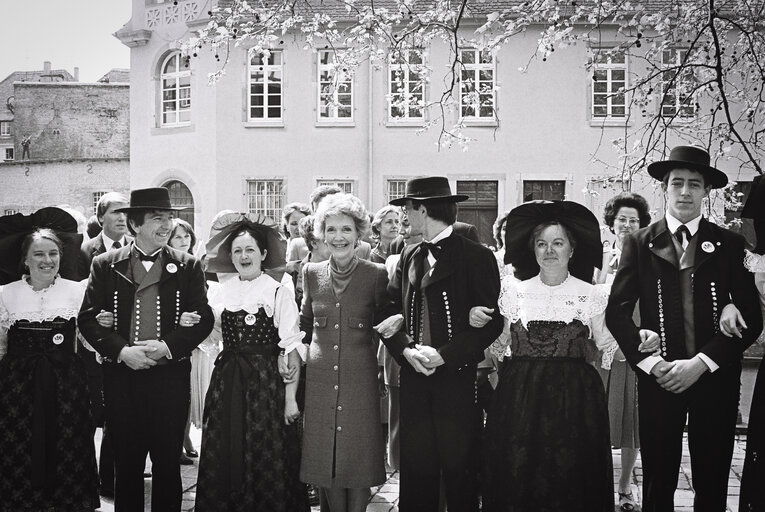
477 86
609 80
396 189
176 91
9 154
265 95
10 211
335 89
344 185
266 197
5 129
96 198
548 190
406 85
676 85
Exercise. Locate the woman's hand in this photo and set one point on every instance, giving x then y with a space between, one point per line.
289 374
291 411
390 325
480 316
649 341
731 321
105 319
189 319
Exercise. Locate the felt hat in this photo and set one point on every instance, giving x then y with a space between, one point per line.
584 227
427 189
689 157
155 198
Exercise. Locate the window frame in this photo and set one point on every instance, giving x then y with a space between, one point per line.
179 74
6 128
476 67
96 196
12 155
679 106
404 66
266 69
341 183
333 104
609 67
398 182
278 195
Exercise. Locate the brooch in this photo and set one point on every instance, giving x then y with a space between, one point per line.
171 268
249 319
58 338
708 247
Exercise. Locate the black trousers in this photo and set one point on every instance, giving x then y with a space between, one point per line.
440 434
710 407
96 388
146 413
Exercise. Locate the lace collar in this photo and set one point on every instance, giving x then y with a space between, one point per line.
19 301
571 300
236 295
754 262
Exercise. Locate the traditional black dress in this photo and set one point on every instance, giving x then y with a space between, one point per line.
250 459
47 457
752 498
547 437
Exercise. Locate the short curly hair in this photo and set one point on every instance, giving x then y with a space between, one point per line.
341 204
497 229
289 210
380 215
627 200
305 227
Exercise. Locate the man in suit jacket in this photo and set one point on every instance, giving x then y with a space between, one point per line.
684 270
435 285
113 235
146 285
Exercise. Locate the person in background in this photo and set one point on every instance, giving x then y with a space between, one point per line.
624 214
296 250
386 224
113 235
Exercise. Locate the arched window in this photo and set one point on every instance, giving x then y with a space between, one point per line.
180 196
175 79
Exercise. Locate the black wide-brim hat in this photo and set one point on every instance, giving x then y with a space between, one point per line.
430 188
582 223
689 157
155 198
218 251
14 228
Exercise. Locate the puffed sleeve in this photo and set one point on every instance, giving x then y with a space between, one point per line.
603 338
508 306
5 324
286 320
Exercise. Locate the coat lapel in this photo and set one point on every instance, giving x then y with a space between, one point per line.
121 265
445 265
661 244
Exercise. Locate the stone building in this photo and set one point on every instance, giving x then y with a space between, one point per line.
63 141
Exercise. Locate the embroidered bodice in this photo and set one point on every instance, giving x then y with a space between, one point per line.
242 329
263 293
18 301
552 321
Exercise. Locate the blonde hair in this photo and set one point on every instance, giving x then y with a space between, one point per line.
341 204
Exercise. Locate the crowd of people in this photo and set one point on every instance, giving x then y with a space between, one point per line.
503 378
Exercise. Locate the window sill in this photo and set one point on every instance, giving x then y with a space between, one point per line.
169 130
263 124
335 124
606 122
480 123
415 123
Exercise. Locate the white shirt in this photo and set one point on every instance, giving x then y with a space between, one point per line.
443 234
109 243
673 224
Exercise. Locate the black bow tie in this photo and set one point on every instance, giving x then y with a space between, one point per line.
434 249
144 257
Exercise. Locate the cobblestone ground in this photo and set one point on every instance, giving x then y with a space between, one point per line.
385 497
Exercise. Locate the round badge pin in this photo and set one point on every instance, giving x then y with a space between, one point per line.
171 268
249 319
58 338
707 247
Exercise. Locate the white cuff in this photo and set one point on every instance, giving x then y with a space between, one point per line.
295 343
648 363
707 361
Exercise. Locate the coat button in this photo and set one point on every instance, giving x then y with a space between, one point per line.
339 407
361 325
337 326
334 367
335 347
337 305
339 428
336 387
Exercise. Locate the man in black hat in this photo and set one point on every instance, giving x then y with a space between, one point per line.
684 270
435 284
146 286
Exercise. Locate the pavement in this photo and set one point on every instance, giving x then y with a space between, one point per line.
385 497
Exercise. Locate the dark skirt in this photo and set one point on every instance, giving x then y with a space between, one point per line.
269 451
752 497
70 480
621 394
547 439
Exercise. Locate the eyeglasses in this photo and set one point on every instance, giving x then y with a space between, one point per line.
628 220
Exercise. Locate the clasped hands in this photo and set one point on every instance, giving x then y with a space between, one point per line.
423 358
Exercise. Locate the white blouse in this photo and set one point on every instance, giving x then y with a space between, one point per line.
573 299
18 301
277 300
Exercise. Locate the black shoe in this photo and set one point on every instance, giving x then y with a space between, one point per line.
185 461
106 493
192 453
